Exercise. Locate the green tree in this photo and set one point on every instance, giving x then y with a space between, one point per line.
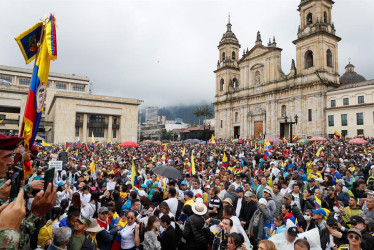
198 113
206 111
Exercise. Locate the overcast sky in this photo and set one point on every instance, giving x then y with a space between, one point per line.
165 52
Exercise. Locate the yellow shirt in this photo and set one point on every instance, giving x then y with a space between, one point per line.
189 202
314 175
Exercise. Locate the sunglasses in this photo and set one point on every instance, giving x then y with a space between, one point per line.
356 237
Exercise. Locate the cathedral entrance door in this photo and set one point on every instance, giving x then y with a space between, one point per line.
236 132
284 130
258 129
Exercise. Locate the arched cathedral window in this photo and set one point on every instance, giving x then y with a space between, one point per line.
308 59
329 58
309 18
325 17
223 56
222 85
235 83
233 55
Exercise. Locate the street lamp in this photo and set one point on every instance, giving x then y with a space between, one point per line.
296 117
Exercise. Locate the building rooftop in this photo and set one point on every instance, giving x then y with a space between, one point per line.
354 85
51 74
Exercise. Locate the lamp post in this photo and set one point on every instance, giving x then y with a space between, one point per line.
291 123
205 133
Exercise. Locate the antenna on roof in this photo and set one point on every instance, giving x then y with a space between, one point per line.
229 16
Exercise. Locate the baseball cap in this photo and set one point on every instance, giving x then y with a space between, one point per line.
330 188
263 201
292 231
356 219
184 183
239 189
61 183
248 194
103 209
356 231
188 193
311 180
320 180
319 211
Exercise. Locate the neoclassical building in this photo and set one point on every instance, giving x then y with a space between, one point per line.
254 96
71 112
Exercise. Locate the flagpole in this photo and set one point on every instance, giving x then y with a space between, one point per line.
36 58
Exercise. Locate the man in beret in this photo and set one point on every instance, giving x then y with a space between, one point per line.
13 234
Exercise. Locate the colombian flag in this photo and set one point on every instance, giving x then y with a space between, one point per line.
337 134
192 169
317 202
224 160
134 178
38 87
295 138
319 151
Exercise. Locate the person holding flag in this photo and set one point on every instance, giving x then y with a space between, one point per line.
47 51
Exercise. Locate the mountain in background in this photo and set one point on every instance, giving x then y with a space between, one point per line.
183 111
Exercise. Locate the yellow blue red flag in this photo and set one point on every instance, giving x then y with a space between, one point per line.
38 87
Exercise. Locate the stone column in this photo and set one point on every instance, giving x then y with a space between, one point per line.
298 127
110 131
84 139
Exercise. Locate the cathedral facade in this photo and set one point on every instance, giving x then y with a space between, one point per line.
254 97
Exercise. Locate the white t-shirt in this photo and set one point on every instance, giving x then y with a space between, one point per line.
296 199
236 185
173 205
127 236
85 198
197 191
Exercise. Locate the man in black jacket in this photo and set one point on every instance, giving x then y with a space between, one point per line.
247 210
168 237
194 234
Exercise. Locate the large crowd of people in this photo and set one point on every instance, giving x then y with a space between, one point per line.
246 194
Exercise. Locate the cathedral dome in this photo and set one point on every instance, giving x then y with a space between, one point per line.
350 76
229 37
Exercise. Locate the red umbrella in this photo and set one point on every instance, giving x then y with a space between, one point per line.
358 141
147 141
129 144
317 138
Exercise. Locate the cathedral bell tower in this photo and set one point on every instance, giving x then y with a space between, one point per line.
227 73
316 43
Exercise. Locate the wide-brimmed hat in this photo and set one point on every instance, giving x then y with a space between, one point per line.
94 227
228 200
199 208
